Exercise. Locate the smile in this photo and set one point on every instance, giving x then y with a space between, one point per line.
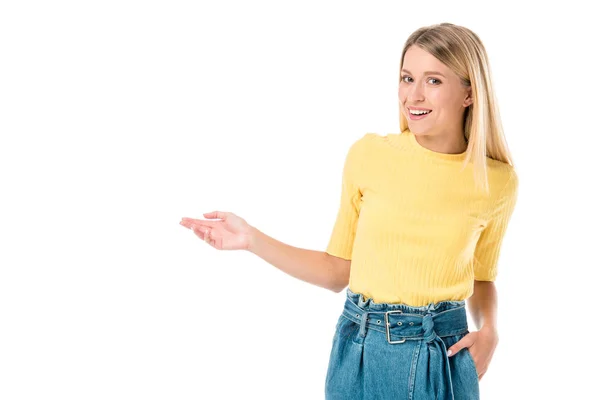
418 114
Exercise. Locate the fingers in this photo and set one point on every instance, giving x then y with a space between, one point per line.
203 233
216 214
185 221
203 228
208 238
188 222
466 341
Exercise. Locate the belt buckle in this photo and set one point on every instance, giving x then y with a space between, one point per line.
387 327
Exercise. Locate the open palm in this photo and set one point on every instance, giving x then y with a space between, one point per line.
226 232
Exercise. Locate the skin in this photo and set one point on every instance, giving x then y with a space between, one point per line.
482 343
440 131
443 131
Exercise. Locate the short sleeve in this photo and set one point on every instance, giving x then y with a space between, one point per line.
487 250
341 241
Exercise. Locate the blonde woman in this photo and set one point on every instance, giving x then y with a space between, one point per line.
421 221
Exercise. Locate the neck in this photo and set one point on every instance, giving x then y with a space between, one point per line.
450 143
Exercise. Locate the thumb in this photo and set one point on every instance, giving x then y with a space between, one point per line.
215 214
461 344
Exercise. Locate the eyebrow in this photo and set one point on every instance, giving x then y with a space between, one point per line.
426 72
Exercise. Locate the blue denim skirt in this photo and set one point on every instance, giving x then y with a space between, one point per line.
396 351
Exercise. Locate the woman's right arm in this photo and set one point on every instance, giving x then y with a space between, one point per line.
316 267
227 231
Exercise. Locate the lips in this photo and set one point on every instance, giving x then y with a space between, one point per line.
421 114
416 117
419 108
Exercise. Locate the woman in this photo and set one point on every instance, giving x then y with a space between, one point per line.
422 217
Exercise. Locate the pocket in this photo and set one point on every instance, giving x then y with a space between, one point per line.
464 360
339 322
348 329
345 363
471 362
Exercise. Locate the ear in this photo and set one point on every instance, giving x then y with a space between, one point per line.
469 99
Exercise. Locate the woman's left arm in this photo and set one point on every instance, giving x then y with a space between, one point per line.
481 343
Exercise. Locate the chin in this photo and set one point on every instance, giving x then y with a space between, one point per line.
414 128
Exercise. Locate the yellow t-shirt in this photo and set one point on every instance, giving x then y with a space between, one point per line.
415 226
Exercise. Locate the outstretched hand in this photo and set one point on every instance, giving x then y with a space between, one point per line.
481 344
228 232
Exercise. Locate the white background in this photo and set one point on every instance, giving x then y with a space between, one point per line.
120 117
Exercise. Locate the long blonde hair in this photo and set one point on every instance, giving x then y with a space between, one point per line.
462 51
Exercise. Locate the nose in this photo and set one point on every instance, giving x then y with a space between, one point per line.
415 93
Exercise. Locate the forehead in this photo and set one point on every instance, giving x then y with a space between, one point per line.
416 60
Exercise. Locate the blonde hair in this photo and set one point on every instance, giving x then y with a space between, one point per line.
462 51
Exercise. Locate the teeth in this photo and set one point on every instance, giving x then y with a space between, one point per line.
419 112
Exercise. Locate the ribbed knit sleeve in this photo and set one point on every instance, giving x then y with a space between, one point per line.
488 247
341 240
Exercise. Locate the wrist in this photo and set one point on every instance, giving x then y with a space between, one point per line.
252 238
490 328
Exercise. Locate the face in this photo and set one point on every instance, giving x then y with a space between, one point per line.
427 84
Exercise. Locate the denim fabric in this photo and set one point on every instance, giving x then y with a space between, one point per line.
364 365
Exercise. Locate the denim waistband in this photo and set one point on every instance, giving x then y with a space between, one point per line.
445 318
401 322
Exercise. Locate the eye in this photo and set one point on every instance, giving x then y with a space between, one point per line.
406 77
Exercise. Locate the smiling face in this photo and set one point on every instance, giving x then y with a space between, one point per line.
427 84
